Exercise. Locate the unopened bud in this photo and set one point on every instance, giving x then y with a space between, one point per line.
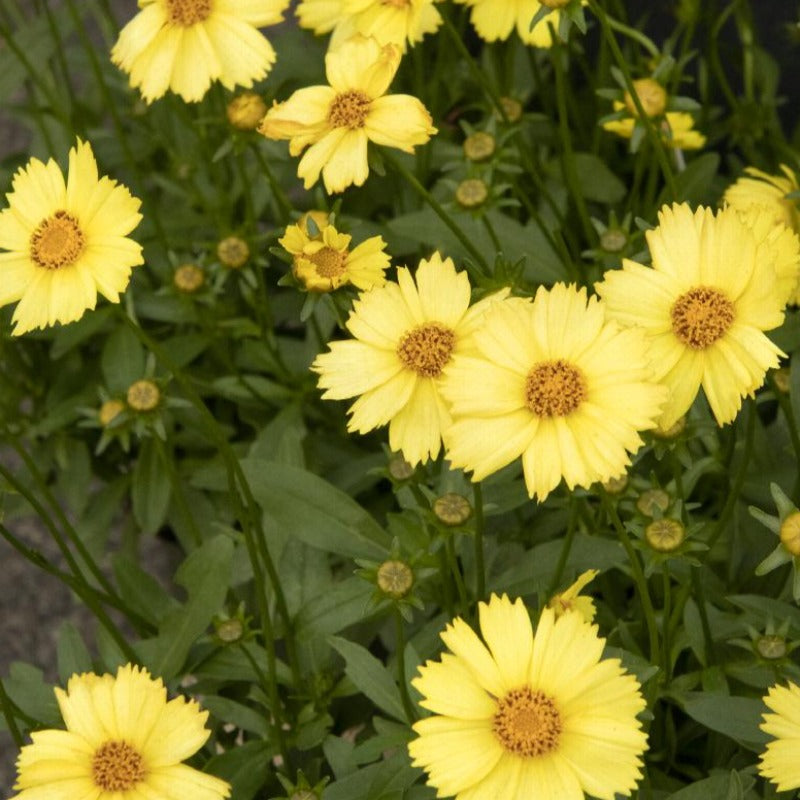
452 509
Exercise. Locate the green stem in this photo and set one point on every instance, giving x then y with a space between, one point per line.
786 406
8 713
455 571
439 211
480 566
566 547
492 234
277 190
638 576
177 491
665 615
447 583
567 153
658 144
400 636
247 512
697 586
636 36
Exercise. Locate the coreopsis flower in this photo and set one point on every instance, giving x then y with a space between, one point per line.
555 382
324 261
124 741
771 191
400 22
404 335
779 761
496 19
185 45
767 197
571 598
703 305
526 714
66 241
676 128
336 122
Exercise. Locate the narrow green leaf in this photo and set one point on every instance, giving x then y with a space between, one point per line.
150 488
73 655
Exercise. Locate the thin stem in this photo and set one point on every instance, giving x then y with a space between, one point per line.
480 566
566 547
447 583
8 713
786 406
439 211
665 614
638 576
400 637
652 133
697 586
177 491
277 190
455 570
636 36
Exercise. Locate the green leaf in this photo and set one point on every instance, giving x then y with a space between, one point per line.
716 786
314 511
695 184
238 714
335 609
737 717
369 676
26 688
150 488
73 655
122 360
205 575
387 778
247 767
596 181
142 592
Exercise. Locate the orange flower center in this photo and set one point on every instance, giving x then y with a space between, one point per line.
328 262
188 12
117 767
554 389
701 316
57 241
426 348
349 109
527 722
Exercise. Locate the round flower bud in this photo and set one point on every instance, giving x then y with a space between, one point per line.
651 500
452 509
781 378
399 468
512 108
229 630
143 395
246 111
479 146
613 240
616 485
790 533
109 410
651 95
233 252
395 579
472 193
665 535
771 647
188 278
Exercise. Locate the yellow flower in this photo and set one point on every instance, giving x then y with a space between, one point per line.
123 741
528 715
779 762
66 241
764 197
555 382
762 189
405 333
703 306
496 19
246 111
675 127
325 262
184 45
572 600
338 121
321 16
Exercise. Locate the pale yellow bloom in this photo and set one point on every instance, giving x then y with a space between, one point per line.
185 45
496 20
124 741
404 334
66 241
703 305
336 122
571 598
325 262
779 762
676 128
556 383
528 716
